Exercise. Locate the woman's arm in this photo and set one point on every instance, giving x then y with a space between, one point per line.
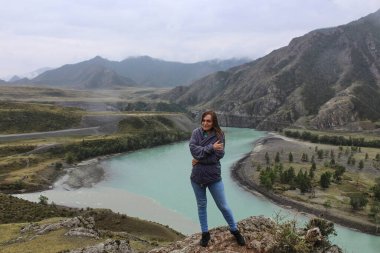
214 158
199 152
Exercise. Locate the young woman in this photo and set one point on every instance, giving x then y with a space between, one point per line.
207 148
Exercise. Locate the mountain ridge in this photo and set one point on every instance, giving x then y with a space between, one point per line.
322 79
99 72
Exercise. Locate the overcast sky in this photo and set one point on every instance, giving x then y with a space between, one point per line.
50 33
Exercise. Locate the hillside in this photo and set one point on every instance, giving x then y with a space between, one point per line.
85 75
326 79
36 117
25 225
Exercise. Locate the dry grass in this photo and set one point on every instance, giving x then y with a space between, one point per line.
52 242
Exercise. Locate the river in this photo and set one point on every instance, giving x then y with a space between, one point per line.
154 184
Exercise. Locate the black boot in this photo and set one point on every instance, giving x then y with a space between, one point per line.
205 238
239 238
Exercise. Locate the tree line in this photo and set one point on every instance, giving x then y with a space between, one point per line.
333 139
92 148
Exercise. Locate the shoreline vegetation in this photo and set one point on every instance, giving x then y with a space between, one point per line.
34 165
54 163
245 173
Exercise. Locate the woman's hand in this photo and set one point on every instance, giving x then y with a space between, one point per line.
194 162
218 146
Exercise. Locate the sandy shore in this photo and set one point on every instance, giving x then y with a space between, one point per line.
243 170
86 173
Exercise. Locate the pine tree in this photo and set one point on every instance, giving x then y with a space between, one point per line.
311 173
290 157
277 158
313 166
325 180
358 201
303 181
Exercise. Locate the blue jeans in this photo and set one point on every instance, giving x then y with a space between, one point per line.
217 191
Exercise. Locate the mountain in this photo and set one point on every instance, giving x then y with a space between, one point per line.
143 71
14 78
89 74
2 82
154 72
327 79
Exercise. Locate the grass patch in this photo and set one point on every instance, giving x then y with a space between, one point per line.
36 117
54 241
151 231
13 210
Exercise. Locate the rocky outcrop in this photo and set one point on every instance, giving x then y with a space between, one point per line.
109 246
262 235
79 226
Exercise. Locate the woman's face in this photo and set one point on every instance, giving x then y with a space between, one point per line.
207 123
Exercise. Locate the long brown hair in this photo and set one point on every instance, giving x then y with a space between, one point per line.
215 124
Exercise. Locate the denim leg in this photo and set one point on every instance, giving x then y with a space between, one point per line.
200 195
217 192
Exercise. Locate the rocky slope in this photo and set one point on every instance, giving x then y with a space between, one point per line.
262 235
326 79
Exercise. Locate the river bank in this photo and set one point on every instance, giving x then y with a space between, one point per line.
243 170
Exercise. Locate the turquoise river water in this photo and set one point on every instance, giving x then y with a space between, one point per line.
154 184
